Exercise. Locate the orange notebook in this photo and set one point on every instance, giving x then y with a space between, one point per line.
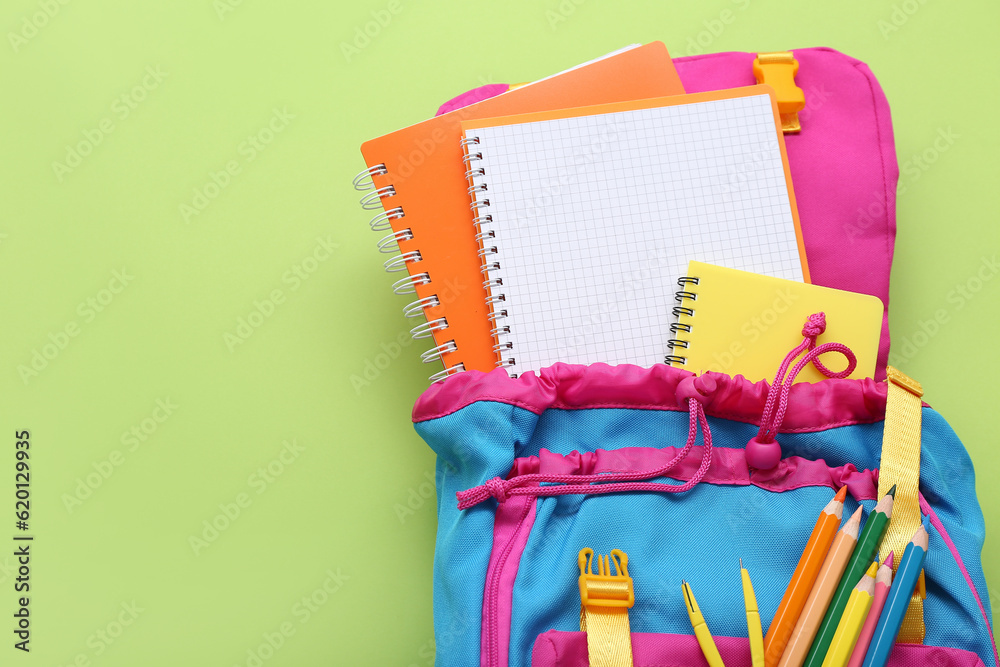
421 197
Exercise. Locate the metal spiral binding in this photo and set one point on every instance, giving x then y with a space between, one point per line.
399 262
382 222
373 200
483 222
427 329
390 242
681 296
360 183
448 372
408 285
436 353
416 308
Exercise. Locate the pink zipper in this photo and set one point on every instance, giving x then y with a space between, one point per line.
491 622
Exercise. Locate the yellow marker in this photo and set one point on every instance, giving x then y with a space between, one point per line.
854 617
754 630
705 640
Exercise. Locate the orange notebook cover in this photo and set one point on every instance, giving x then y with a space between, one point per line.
425 190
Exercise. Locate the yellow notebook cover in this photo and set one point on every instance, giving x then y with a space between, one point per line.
742 323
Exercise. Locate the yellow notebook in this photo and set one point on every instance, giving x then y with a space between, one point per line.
742 323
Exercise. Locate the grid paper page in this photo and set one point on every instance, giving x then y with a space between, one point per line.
595 217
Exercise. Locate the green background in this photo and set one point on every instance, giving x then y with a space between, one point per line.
225 68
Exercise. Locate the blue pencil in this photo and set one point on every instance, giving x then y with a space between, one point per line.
898 600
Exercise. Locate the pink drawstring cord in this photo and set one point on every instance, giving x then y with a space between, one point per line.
501 489
762 451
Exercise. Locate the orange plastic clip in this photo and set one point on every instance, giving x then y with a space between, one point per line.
604 589
778 70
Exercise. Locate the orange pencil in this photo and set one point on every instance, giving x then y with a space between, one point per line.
803 579
822 592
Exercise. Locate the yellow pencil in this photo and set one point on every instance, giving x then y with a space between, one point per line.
754 630
705 640
853 618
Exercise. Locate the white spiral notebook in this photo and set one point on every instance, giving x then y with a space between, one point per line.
586 218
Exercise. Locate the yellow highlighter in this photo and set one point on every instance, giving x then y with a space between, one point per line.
754 630
854 617
705 640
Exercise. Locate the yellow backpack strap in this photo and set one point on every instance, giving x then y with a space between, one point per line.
605 599
901 466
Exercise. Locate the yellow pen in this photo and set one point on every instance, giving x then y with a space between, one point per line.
754 630
705 640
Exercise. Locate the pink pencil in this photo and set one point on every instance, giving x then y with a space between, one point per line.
883 580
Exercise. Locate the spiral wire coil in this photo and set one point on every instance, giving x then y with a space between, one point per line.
375 199
680 296
486 234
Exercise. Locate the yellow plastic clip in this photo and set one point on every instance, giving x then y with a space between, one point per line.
778 70
604 589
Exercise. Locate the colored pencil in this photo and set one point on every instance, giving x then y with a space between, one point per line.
803 579
883 580
822 592
754 632
862 557
701 632
898 600
854 616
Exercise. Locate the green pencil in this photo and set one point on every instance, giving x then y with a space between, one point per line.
862 557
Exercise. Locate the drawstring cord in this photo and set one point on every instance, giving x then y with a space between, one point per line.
762 451
527 485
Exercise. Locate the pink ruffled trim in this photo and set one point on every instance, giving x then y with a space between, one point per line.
811 407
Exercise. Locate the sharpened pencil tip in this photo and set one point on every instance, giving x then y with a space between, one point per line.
741 564
926 523
892 491
890 560
841 494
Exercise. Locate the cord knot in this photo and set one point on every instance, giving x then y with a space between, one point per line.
497 489
815 325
